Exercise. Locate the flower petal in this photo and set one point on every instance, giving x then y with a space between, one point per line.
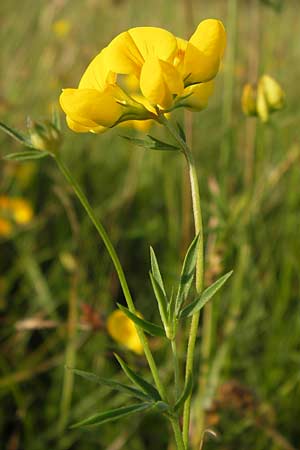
198 95
123 330
128 51
210 38
91 108
97 74
159 81
204 51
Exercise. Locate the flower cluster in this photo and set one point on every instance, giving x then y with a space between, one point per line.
169 72
264 99
13 211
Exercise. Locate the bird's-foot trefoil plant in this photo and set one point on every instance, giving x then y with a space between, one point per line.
168 73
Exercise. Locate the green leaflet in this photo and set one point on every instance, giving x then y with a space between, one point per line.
26 155
149 327
187 273
206 295
113 414
129 390
139 381
156 271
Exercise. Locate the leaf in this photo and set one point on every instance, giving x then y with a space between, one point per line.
149 327
129 390
14 134
181 131
113 414
185 393
155 270
187 273
151 143
206 295
139 381
157 144
26 155
161 299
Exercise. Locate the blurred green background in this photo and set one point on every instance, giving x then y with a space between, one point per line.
57 284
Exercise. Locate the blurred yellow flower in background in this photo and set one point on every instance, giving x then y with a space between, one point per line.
123 331
263 99
163 73
13 211
61 28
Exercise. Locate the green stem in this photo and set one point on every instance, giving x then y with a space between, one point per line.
199 266
115 259
176 366
177 433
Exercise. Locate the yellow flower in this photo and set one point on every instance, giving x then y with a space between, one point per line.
22 211
123 331
166 73
264 99
15 209
61 28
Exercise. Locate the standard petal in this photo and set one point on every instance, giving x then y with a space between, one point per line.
127 52
210 37
97 74
204 51
198 95
91 108
153 41
159 81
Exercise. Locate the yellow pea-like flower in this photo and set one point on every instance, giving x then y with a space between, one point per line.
123 331
263 99
166 73
22 211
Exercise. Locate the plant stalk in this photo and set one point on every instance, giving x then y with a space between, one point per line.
117 264
199 267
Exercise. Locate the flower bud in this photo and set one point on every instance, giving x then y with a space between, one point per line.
45 136
249 100
274 93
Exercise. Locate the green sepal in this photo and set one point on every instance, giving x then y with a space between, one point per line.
149 327
206 295
151 143
187 273
115 385
15 134
26 155
113 414
185 394
139 381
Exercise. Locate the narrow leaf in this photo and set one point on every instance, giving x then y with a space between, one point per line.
185 393
139 381
14 134
149 327
157 144
181 131
155 270
206 295
112 414
161 299
187 273
26 155
115 385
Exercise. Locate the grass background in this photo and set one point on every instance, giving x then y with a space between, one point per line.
57 270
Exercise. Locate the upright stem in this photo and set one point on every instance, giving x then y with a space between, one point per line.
199 267
176 366
115 259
